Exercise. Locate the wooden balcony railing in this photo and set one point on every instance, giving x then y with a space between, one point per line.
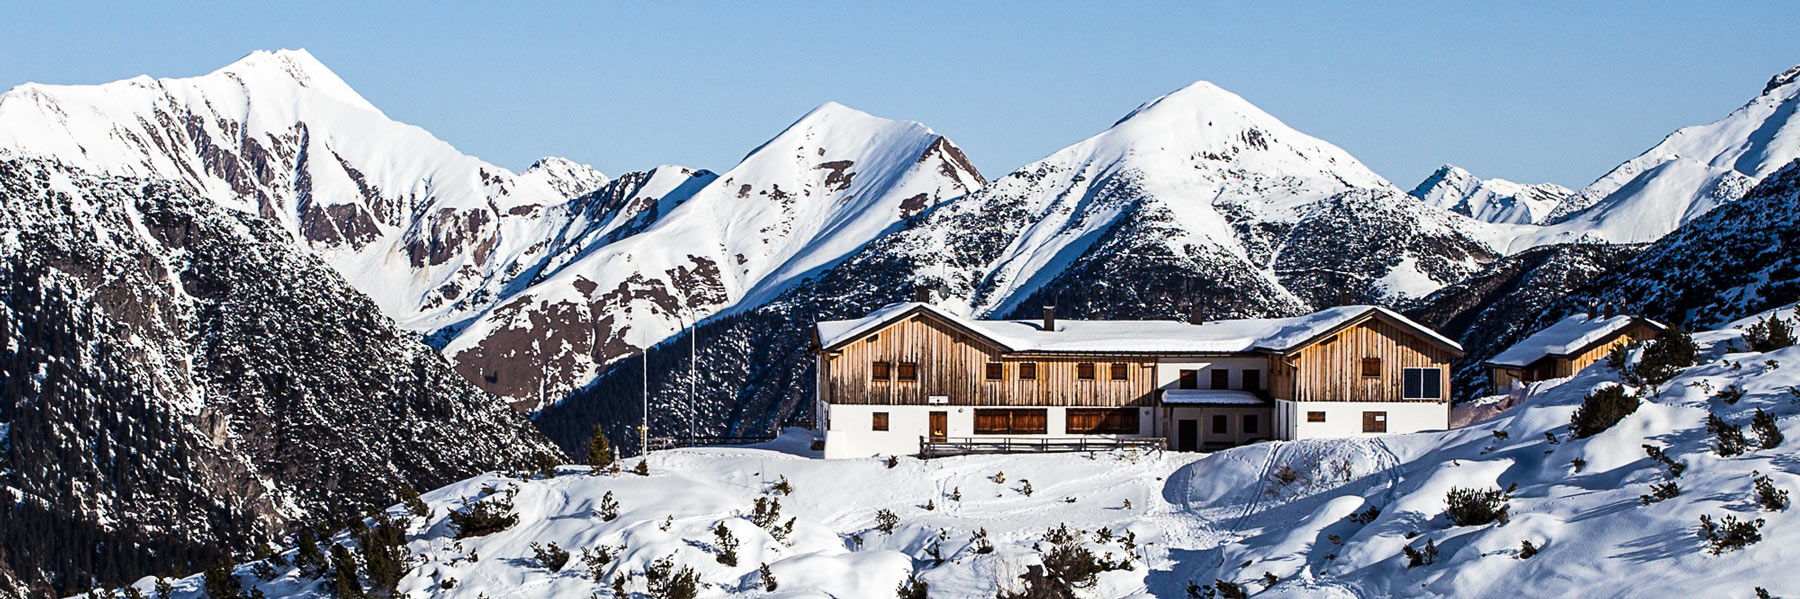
980 445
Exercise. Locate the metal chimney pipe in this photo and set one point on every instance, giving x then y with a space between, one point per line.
1050 317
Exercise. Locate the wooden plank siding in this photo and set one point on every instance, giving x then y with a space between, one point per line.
1635 333
953 364
1330 369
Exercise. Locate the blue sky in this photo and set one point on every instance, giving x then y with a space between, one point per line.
1551 91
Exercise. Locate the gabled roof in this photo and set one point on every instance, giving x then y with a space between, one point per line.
1568 337
1236 336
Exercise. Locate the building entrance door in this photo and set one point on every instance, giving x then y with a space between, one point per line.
1187 435
940 426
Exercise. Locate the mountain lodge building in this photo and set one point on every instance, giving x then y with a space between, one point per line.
1564 348
912 378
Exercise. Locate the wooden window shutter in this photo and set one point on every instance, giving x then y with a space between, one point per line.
1028 371
1374 422
1084 371
1190 379
879 421
996 371
879 371
1221 378
1315 416
1119 371
1371 367
909 371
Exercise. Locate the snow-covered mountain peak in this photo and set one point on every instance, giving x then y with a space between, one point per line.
570 178
1493 200
1781 79
280 67
1692 171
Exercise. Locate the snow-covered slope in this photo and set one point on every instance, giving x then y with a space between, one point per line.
1493 200
1692 171
683 246
1321 518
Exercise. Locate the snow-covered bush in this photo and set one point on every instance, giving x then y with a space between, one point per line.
1767 496
913 588
1730 394
484 517
1420 557
1602 409
1527 550
1770 333
885 521
1728 438
727 543
1729 533
1474 507
549 556
596 559
1661 491
666 581
1768 434
609 507
1664 357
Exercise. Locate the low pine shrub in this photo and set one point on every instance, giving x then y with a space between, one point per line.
1665 356
727 543
1768 434
1474 507
1769 334
1730 394
1729 533
1661 491
609 507
550 556
1728 438
596 559
1601 409
1527 550
484 517
1767 496
886 521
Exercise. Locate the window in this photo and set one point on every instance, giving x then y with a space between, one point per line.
1103 421
1190 379
1423 383
1250 423
996 371
1315 416
1014 421
1221 378
1374 422
1220 424
1028 371
1084 371
909 371
879 371
880 421
1252 380
1371 367
1118 371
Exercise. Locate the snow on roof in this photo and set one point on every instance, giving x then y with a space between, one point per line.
1565 337
1133 336
1212 397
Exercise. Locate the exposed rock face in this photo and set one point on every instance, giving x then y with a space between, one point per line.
1500 305
181 382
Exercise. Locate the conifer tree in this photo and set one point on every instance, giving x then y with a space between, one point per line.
344 582
600 455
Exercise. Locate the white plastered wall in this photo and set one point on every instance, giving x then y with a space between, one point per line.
1345 418
850 430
